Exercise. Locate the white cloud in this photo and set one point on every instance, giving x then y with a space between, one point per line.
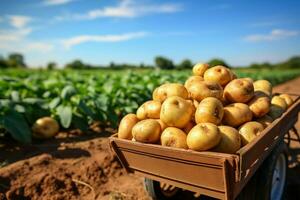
275 34
13 35
39 47
19 21
125 9
70 42
55 2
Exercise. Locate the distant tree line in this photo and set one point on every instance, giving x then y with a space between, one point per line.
16 60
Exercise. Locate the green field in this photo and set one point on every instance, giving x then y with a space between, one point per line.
78 98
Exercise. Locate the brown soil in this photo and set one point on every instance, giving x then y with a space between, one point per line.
83 168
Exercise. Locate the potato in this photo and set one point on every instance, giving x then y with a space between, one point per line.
163 126
200 90
287 98
236 114
278 101
210 110
173 137
265 120
45 127
126 125
149 109
199 69
203 136
176 112
218 74
249 131
230 140
147 131
191 80
263 86
188 127
275 111
260 104
239 91
170 89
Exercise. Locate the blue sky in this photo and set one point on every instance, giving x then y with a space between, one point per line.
135 31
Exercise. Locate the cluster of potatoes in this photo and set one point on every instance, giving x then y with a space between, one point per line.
214 110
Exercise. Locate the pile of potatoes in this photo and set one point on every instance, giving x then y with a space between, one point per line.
214 110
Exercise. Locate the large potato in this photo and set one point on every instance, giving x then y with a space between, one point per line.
170 89
176 112
200 90
278 101
173 137
45 127
259 104
126 125
287 98
149 109
147 131
239 91
265 120
191 80
218 74
230 140
249 131
210 110
200 68
203 136
263 86
236 114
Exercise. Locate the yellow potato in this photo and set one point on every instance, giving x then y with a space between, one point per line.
236 114
278 101
263 86
126 125
230 140
149 109
239 91
210 110
200 90
218 74
249 131
260 104
173 137
147 131
288 99
200 68
170 89
191 80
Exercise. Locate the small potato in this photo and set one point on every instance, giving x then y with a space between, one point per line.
239 91
263 86
230 140
45 127
147 131
218 74
265 120
236 114
173 137
149 109
203 136
287 98
249 131
126 125
260 104
170 89
210 110
200 90
191 80
278 101
199 69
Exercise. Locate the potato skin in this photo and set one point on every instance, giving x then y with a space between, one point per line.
45 127
126 125
263 86
191 80
168 90
230 140
236 114
200 68
149 109
210 110
203 136
173 137
249 131
218 74
147 131
260 104
200 90
288 99
239 91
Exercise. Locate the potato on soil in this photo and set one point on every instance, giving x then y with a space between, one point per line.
176 112
45 127
278 101
259 104
210 110
236 114
191 80
265 120
203 136
173 137
149 109
200 90
239 91
200 68
249 131
125 127
288 99
230 140
147 131
263 86
170 89
218 74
